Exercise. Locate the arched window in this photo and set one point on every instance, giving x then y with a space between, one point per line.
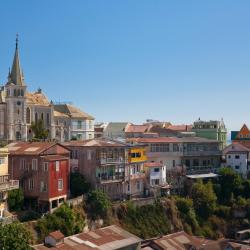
15 92
28 113
42 116
18 92
22 92
36 117
48 119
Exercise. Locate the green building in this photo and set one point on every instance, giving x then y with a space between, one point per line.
215 130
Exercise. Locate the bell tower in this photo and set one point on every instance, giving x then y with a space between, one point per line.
15 96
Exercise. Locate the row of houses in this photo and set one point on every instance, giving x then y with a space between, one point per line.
122 169
114 237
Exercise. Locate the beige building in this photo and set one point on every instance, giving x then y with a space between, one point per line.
20 108
5 185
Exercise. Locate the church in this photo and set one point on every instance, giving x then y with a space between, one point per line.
19 108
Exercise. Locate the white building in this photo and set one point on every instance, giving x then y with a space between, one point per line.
156 172
237 157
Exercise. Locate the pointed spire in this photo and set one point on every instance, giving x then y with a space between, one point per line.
16 75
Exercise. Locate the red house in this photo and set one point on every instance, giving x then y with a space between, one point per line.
43 171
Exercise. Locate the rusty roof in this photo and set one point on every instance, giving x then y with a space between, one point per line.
30 148
132 128
107 238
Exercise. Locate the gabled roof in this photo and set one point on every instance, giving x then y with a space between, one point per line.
243 131
236 147
72 111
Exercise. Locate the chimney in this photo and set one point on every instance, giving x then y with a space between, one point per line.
54 239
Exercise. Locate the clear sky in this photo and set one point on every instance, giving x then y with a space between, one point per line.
129 60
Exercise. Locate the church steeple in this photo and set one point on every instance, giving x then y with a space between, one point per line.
16 75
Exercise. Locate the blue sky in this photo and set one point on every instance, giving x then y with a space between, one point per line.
127 60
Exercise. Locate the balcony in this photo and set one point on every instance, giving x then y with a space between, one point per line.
9 185
110 178
202 153
104 161
137 176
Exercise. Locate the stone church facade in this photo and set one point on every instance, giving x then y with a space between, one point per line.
19 108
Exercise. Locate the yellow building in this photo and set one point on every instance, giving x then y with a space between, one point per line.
135 174
5 184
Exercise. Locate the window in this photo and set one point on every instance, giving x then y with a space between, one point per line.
36 117
42 116
31 184
22 164
156 170
195 162
138 185
48 119
237 157
89 155
43 186
60 184
173 163
79 124
2 160
237 167
34 164
229 156
137 168
128 187
175 147
90 136
45 166
28 120
57 166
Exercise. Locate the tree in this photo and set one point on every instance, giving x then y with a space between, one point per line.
78 184
14 236
230 182
204 199
69 221
99 204
15 199
40 133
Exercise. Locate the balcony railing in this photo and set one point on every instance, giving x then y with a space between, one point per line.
137 176
112 160
9 185
202 153
114 178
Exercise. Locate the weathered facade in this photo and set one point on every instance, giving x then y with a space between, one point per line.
43 171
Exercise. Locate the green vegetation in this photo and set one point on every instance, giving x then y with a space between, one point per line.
15 199
145 221
14 236
99 204
69 221
40 133
78 184
204 199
